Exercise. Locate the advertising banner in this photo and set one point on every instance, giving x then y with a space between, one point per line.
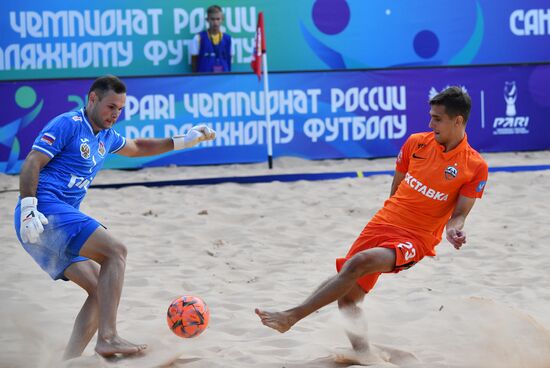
60 39
317 115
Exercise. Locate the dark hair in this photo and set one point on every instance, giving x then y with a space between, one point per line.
213 9
107 83
456 101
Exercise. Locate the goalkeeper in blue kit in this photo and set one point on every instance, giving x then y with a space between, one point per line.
66 243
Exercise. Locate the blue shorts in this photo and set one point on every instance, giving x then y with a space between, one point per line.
59 245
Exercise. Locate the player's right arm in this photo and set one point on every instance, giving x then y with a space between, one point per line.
155 146
32 221
401 165
28 178
398 177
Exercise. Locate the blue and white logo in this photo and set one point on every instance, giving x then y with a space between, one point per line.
481 186
511 124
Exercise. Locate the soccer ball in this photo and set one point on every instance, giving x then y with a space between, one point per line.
188 316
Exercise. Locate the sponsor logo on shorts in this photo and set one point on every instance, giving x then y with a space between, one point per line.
85 150
417 185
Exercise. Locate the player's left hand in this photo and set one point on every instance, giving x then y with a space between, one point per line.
456 237
194 136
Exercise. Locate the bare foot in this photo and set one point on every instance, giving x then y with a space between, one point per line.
280 321
117 345
140 346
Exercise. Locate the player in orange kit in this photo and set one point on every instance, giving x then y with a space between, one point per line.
437 179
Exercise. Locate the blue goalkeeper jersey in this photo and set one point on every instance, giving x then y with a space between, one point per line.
76 153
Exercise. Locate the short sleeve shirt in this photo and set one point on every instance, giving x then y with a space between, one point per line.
425 199
76 153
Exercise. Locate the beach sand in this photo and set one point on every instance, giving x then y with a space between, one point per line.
270 245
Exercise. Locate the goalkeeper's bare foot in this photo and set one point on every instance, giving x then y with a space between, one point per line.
280 321
117 345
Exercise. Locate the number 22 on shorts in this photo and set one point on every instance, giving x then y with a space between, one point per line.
409 250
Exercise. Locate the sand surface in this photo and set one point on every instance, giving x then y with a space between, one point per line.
269 245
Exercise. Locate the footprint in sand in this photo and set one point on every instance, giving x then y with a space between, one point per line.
156 355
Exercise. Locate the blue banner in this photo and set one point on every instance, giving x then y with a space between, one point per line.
61 39
321 115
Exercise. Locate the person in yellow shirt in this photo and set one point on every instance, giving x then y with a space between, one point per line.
211 49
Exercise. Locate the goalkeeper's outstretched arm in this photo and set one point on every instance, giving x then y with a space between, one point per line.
155 146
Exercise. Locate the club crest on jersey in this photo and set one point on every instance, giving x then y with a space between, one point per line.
85 150
451 172
101 149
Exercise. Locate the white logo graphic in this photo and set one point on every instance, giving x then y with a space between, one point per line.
511 124
79 182
510 96
433 91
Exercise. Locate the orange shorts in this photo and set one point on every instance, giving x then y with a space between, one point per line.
409 249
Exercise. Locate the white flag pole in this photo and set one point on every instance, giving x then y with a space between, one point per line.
267 114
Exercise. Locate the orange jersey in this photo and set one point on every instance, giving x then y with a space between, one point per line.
425 199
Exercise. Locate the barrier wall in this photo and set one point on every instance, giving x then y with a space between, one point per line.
60 39
317 115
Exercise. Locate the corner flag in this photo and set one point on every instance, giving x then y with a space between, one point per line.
259 46
259 62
